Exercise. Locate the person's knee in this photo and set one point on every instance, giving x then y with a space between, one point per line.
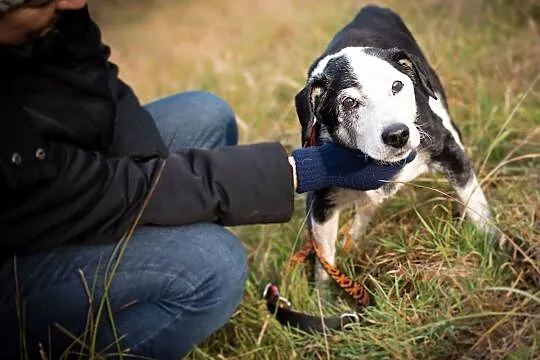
205 267
221 119
203 117
215 116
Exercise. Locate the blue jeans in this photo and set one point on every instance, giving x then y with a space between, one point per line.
174 285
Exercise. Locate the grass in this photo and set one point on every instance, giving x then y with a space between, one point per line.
442 291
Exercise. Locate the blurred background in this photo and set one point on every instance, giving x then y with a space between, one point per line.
443 291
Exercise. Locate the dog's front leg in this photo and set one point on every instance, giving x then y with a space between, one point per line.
476 206
323 209
325 235
455 163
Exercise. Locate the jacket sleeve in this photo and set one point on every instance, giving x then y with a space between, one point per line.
94 198
236 185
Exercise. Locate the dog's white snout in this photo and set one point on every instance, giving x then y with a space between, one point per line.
396 135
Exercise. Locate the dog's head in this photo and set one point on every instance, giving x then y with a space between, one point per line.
366 99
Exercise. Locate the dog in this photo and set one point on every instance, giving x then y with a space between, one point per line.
372 89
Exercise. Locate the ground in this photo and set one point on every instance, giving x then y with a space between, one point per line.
442 291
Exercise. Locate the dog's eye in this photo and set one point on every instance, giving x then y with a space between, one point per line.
349 103
396 87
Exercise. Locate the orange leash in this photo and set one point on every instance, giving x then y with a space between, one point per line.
354 289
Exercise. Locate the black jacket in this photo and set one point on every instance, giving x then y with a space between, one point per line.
78 154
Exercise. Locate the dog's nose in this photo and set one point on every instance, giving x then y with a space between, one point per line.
396 135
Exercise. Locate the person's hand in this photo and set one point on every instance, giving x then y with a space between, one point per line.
330 165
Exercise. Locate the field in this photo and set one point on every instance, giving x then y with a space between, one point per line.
442 291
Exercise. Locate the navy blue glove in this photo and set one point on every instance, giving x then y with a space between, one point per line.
330 165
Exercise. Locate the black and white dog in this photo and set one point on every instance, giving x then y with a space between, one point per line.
373 89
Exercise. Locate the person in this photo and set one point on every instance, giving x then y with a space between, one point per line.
90 177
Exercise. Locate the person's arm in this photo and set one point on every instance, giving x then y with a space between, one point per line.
235 185
93 199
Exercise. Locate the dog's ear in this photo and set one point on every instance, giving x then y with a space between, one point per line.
306 101
415 69
303 109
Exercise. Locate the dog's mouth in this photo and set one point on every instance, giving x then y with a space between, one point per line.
398 156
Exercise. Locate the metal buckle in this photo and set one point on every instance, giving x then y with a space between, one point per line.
285 300
350 315
265 291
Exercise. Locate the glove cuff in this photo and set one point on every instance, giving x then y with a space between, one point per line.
310 169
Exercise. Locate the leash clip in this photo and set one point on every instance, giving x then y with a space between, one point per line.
348 315
266 289
285 300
